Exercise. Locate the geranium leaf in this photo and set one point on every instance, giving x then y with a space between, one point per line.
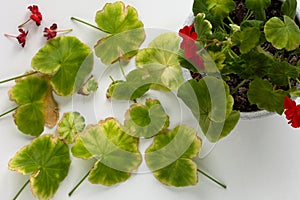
125 32
67 60
258 6
252 64
145 120
116 152
211 104
89 87
170 156
262 94
282 34
281 72
47 159
137 83
37 106
160 60
246 39
220 8
68 127
202 26
289 8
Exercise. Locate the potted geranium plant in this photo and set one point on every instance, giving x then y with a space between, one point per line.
243 56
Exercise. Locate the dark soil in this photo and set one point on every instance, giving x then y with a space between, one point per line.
241 101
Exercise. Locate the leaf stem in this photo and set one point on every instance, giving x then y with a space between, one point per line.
86 23
79 183
122 70
111 78
11 110
230 20
248 15
213 179
238 86
298 81
22 188
16 77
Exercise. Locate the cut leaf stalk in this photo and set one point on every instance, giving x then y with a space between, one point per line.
79 183
16 77
7 112
22 188
86 23
212 179
122 70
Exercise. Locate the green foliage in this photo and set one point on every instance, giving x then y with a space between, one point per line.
281 72
116 152
215 10
37 106
282 34
289 8
258 6
137 83
68 127
248 36
89 87
251 65
125 32
220 8
211 104
67 60
265 97
160 60
145 120
47 160
202 26
170 156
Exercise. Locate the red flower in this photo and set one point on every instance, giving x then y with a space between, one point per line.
21 37
189 46
50 32
35 14
188 32
292 112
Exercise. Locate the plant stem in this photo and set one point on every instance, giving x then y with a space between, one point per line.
16 77
8 35
298 81
112 79
248 15
213 179
86 23
22 188
230 20
79 183
24 23
122 70
8 111
65 30
238 86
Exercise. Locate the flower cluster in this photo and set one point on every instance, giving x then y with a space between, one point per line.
189 46
37 17
35 14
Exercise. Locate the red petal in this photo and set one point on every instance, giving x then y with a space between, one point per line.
288 103
53 27
188 31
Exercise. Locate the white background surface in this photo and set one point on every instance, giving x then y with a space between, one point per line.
260 160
